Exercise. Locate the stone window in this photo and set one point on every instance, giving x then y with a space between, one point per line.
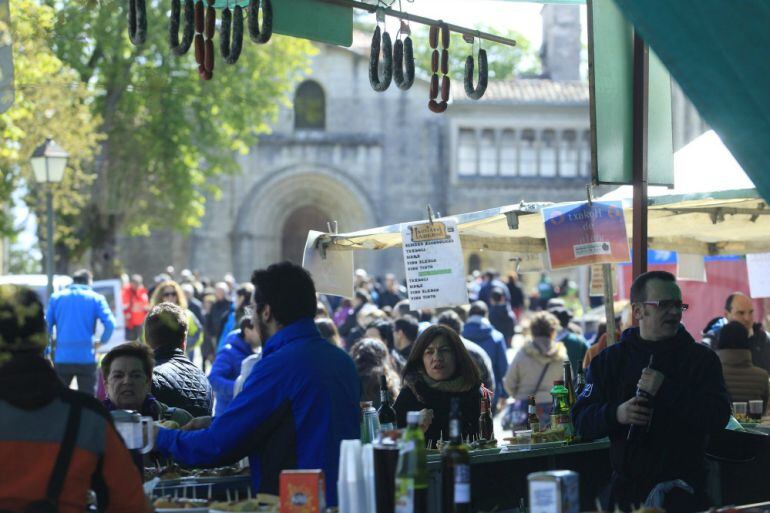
508 153
569 157
467 157
309 107
488 153
548 154
585 154
528 153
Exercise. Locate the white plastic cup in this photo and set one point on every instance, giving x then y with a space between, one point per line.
351 489
755 409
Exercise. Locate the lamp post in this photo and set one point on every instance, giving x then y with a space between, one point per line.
48 163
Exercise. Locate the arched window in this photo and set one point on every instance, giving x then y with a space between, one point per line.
488 153
527 153
467 156
474 263
309 107
508 157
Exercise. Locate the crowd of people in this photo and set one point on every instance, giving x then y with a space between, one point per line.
288 368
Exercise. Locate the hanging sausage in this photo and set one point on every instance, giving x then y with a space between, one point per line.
433 105
380 83
231 52
173 26
260 35
403 55
137 21
477 92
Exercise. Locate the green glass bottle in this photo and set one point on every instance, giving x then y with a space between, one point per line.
412 469
455 468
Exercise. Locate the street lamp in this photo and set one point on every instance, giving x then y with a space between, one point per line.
48 163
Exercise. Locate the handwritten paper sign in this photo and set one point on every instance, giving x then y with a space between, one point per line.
433 258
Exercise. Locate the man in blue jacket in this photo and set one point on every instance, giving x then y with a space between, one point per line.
72 315
299 402
690 402
240 344
478 329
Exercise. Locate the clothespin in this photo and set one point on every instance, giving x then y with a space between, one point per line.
468 38
380 13
589 194
430 214
332 227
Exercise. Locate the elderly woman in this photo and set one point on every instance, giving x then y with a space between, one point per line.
439 369
535 367
127 371
169 291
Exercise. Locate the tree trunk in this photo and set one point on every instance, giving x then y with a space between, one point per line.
104 230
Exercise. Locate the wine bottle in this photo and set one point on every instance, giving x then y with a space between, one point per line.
455 468
386 414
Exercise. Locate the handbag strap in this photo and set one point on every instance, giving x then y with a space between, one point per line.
540 379
66 449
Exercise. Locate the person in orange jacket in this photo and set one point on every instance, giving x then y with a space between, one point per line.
136 304
48 426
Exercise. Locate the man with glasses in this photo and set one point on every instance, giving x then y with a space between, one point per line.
689 403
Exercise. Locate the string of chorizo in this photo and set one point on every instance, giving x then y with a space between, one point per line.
433 105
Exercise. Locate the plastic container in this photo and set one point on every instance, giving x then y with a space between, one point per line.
524 438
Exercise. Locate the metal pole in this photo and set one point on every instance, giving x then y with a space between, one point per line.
639 155
49 245
422 20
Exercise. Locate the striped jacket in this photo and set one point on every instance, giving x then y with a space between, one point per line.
34 407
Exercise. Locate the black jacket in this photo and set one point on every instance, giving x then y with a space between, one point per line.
439 402
759 343
177 382
692 404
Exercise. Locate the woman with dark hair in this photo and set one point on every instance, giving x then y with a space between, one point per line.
328 331
744 381
439 368
382 329
372 361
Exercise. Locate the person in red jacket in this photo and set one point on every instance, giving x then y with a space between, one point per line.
47 426
136 304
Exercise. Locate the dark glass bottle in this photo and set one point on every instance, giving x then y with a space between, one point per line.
571 397
532 419
638 434
386 414
486 427
455 468
581 382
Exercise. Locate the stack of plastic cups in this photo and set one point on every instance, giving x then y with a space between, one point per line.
350 483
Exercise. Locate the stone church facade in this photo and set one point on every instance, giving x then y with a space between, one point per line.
346 153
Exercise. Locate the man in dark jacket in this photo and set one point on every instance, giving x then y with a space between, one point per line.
297 405
739 307
176 381
478 329
501 316
219 309
690 401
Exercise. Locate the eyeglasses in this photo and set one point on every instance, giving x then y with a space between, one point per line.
668 304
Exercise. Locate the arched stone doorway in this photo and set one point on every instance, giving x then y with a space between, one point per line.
296 199
295 228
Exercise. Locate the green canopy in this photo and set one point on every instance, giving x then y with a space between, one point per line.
717 51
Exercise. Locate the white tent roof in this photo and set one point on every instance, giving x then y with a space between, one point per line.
704 165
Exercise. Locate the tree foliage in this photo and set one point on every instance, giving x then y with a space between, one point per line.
166 132
50 101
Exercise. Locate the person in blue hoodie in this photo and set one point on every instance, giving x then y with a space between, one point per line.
297 405
690 403
240 344
72 314
478 329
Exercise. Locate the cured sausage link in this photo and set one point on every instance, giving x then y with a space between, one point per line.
260 35
173 27
137 21
481 87
381 83
403 53
231 53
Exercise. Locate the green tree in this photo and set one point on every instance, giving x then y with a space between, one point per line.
166 132
50 101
